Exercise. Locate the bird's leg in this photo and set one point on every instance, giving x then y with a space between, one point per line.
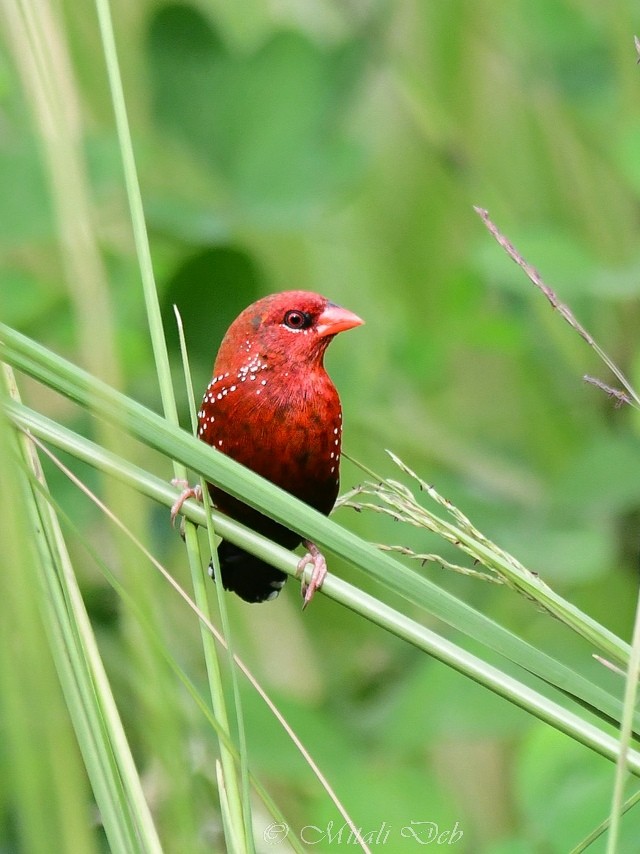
187 492
318 573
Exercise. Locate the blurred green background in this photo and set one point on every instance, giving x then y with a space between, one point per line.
340 147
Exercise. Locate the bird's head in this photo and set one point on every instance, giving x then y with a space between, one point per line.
292 328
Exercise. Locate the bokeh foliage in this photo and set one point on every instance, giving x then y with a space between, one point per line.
340 148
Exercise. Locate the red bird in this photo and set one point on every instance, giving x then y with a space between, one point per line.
272 407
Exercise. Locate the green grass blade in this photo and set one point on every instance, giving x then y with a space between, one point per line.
137 212
626 731
99 731
245 807
533 660
512 689
46 790
234 799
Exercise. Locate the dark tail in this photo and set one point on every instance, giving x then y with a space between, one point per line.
248 576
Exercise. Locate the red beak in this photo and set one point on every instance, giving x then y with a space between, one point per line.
335 319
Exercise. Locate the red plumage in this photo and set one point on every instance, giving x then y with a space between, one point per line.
272 407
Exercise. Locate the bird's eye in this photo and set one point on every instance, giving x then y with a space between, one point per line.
297 319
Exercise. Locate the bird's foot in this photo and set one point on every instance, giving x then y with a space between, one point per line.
187 492
318 574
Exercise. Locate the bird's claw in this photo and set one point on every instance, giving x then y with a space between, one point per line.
187 492
318 574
